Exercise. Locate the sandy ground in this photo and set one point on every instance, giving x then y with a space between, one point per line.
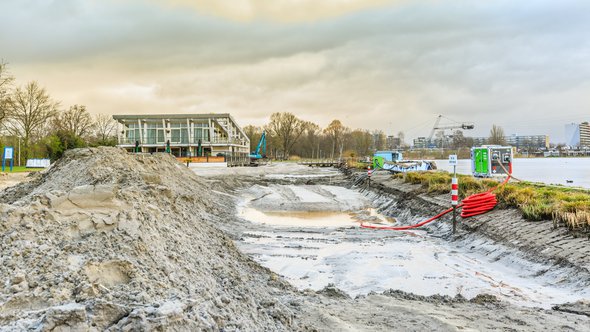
8 179
106 240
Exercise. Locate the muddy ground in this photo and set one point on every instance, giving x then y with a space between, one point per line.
314 256
105 240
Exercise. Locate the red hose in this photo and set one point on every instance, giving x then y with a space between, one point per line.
478 204
472 206
403 228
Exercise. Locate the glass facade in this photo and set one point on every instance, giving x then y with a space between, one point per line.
133 133
179 133
201 132
155 134
218 135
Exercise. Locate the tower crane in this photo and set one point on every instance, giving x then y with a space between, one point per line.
456 125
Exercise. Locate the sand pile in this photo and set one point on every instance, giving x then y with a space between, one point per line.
106 239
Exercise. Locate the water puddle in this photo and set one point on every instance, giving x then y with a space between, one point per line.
314 218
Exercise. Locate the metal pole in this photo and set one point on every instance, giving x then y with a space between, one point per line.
454 197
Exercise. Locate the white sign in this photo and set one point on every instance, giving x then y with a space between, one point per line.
452 160
8 152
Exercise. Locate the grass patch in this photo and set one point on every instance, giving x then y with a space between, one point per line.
569 207
20 169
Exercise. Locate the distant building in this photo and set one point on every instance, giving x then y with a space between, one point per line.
420 143
584 134
530 142
186 134
479 141
572 134
393 142
539 142
577 135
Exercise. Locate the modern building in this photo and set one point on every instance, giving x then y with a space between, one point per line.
577 135
183 135
584 134
572 134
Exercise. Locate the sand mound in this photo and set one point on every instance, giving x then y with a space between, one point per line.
105 239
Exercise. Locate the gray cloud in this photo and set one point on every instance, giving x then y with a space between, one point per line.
520 65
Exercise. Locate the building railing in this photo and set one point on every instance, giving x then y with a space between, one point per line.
130 141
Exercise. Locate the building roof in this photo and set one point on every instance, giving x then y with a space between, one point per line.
171 116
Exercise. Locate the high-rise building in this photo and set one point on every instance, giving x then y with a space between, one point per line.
577 135
584 134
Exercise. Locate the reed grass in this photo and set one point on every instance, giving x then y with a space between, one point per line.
567 207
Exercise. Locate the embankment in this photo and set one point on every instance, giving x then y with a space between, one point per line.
537 241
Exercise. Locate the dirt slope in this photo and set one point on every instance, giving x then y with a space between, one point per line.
107 239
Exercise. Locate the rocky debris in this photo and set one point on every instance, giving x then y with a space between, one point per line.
578 308
439 299
333 292
106 239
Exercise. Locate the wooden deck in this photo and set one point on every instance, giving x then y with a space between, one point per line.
323 163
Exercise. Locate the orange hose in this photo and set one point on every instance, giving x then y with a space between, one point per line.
472 206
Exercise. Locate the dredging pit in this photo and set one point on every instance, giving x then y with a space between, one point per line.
303 224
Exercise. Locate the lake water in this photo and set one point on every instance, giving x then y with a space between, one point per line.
545 170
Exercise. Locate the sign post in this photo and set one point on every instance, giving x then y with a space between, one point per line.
454 189
8 155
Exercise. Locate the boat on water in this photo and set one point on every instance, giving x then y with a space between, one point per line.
394 162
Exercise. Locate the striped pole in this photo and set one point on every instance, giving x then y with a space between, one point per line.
454 192
454 199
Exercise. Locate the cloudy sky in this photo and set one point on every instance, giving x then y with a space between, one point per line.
374 64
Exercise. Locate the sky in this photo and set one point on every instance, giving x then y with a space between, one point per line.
373 64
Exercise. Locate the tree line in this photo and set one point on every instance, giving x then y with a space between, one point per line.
31 119
289 136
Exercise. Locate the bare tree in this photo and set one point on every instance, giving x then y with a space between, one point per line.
335 131
254 133
5 85
309 146
30 109
402 138
497 136
379 140
361 141
76 121
458 139
287 129
104 128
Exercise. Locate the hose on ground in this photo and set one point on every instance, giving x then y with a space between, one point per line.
473 205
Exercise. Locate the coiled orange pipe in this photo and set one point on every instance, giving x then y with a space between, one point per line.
472 206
